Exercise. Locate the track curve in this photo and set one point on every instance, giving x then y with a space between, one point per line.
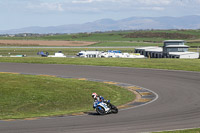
177 107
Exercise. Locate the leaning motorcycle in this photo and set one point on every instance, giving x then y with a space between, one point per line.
103 108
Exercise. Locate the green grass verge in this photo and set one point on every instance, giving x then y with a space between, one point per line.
170 64
24 96
182 131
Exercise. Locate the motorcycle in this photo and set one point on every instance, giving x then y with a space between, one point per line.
103 108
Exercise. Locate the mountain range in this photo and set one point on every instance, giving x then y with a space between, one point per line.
132 23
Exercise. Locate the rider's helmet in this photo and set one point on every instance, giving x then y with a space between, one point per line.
94 95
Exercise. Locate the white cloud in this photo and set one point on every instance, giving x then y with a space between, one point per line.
47 6
155 2
92 1
110 6
95 6
82 1
152 8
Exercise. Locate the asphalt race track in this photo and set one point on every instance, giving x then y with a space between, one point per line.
178 105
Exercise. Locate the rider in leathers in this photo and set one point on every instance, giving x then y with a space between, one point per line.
97 99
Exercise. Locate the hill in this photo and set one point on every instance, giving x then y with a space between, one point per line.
132 23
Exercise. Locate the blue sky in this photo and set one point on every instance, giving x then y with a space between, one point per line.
23 13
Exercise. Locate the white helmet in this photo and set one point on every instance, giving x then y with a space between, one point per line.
94 95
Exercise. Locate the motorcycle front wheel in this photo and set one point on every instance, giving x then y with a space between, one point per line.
100 110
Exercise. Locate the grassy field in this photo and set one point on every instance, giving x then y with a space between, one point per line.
182 131
138 37
169 64
24 96
124 44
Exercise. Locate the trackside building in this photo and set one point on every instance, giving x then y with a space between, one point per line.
171 49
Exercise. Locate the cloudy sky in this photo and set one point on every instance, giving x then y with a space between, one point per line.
24 13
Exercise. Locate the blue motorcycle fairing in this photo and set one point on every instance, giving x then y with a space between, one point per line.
100 108
98 102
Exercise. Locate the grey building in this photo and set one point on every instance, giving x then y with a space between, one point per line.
174 46
170 49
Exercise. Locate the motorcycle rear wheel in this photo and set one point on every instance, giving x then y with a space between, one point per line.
114 109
